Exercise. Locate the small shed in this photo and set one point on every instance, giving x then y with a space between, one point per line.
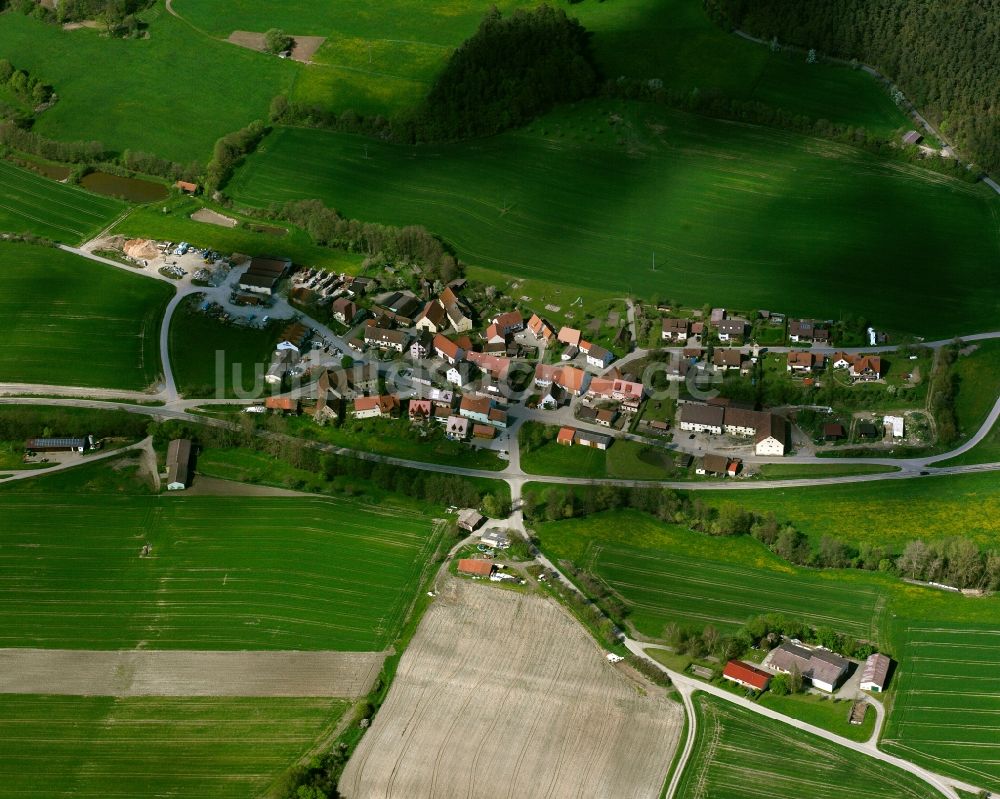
912 138
469 519
834 431
179 464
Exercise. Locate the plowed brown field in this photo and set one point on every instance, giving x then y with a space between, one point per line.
502 694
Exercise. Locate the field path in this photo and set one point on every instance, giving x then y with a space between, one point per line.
143 672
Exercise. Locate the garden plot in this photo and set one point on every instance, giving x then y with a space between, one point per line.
502 693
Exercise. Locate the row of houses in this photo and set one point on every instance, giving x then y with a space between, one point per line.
734 328
769 431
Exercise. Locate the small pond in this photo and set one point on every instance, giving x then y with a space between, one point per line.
132 189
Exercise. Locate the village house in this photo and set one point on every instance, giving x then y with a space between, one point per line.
344 310
800 361
179 452
723 359
540 329
457 428
420 347
508 323
833 431
730 329
606 417
456 314
718 466
565 436
807 330
475 408
484 431
419 410
699 418
866 368
386 339
596 356
569 336
495 366
771 438
432 319
497 539
380 406
628 393
459 375
820 667
716 316
447 349
746 675
675 330
569 353
841 360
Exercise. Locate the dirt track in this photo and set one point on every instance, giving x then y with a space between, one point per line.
187 673
503 695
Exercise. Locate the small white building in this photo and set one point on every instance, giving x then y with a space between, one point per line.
895 423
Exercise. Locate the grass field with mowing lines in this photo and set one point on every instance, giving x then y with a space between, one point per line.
668 573
225 572
888 513
381 56
71 321
736 215
107 748
740 755
946 713
30 203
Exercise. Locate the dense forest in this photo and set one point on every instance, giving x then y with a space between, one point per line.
510 71
944 56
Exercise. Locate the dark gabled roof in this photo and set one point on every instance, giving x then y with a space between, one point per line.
694 413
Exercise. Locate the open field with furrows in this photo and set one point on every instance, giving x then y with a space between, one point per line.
164 672
108 748
224 573
380 56
735 215
502 693
740 755
946 713
886 513
172 94
70 321
30 203
667 573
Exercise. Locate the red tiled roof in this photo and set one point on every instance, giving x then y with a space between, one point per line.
745 673
475 566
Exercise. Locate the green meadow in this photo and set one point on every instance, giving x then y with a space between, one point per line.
112 748
381 56
736 757
30 203
228 573
735 215
172 94
70 321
